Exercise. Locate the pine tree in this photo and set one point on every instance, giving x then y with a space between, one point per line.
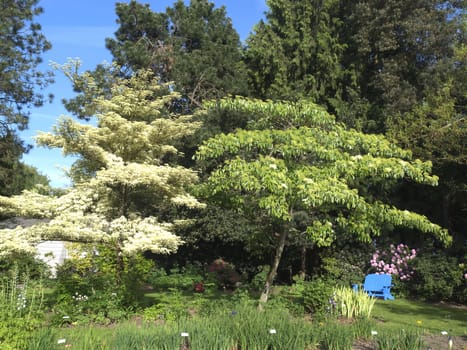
21 46
194 46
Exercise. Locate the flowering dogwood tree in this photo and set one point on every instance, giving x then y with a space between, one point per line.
121 177
296 157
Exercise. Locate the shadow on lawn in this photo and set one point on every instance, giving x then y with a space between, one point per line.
433 317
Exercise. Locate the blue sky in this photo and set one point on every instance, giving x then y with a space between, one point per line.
78 28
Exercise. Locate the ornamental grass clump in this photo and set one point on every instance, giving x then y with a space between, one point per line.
336 337
403 340
352 304
241 327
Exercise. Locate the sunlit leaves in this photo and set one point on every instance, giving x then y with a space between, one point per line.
134 133
315 165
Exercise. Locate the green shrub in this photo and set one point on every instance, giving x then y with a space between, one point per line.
36 269
316 296
436 277
181 278
169 306
90 288
21 305
346 268
307 296
256 285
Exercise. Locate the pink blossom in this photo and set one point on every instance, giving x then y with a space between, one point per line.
397 258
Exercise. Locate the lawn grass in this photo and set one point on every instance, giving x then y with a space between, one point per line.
430 318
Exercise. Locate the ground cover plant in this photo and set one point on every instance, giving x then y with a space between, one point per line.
21 302
241 326
215 319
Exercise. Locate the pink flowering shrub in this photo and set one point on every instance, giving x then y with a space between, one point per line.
394 261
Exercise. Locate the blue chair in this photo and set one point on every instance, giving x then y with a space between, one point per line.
377 285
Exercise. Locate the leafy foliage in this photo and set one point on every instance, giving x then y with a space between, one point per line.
312 164
296 52
436 277
279 171
86 289
15 176
120 159
21 300
352 304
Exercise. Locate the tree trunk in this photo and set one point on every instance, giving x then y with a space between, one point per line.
302 272
273 269
446 212
119 262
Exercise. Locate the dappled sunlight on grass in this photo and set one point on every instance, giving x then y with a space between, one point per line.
433 318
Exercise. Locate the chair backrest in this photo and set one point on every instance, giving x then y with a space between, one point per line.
377 282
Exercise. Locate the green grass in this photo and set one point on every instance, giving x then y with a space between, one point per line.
390 314
221 329
430 318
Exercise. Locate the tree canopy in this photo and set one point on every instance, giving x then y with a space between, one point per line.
366 61
21 47
194 46
121 160
298 158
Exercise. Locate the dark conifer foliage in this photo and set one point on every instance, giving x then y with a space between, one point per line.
194 46
21 47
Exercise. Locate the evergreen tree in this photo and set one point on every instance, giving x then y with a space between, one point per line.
194 46
366 61
21 46
296 53
398 51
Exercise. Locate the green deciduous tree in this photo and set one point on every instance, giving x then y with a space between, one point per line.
297 158
122 179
